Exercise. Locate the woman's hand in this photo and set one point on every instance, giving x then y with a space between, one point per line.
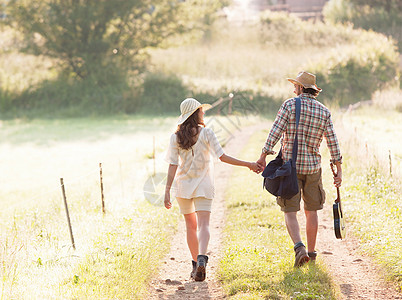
255 167
167 202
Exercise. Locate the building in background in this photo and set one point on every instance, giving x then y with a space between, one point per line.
244 10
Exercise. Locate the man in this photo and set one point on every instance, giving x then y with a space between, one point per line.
315 123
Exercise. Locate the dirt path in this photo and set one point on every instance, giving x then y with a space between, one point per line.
355 274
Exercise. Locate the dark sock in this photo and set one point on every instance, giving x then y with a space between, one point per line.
297 245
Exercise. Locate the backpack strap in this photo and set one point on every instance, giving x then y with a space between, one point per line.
295 143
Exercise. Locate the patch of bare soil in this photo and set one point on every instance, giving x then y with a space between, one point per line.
355 274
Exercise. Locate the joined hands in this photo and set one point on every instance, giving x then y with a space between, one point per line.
256 167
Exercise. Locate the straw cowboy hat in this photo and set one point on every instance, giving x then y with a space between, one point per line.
305 79
188 107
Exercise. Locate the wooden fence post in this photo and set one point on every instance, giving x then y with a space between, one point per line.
390 163
101 187
153 157
230 103
68 215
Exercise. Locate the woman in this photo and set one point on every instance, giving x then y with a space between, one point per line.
189 154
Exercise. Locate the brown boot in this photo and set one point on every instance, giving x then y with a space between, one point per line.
192 275
312 256
301 256
200 272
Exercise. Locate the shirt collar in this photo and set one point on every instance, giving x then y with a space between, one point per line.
306 95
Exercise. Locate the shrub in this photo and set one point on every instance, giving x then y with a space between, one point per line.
67 97
375 17
353 73
162 93
286 30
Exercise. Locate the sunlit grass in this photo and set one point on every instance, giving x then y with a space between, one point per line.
258 254
372 196
37 257
36 253
17 75
236 58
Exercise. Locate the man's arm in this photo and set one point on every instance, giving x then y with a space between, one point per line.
278 127
334 150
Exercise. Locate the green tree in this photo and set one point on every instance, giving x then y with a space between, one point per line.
387 5
91 37
383 16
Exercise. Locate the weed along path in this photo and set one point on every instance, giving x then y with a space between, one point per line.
355 274
173 281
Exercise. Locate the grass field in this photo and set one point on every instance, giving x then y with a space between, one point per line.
113 258
372 192
37 258
116 253
36 253
236 59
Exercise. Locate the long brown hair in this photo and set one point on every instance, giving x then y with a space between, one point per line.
188 131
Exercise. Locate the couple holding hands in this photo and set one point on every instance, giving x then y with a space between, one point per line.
189 157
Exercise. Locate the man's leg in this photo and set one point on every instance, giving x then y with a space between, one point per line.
301 256
311 229
293 226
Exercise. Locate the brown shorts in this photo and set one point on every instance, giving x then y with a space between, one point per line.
311 190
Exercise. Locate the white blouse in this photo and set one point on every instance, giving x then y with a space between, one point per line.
194 176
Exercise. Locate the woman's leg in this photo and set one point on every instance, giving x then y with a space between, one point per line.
203 231
191 229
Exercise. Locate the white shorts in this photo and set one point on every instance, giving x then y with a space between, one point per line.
188 206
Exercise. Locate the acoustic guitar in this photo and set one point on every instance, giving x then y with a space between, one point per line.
339 221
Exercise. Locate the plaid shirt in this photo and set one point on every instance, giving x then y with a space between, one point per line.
315 123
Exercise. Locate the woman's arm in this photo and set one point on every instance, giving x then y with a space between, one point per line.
236 162
170 177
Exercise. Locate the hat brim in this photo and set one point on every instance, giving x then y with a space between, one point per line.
309 86
184 117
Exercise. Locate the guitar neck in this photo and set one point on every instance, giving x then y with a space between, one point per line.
338 199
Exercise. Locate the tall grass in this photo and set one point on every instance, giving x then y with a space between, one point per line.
371 192
237 57
36 254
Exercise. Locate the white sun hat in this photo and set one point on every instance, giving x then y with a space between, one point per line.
188 107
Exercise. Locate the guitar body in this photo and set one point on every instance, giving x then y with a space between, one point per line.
339 222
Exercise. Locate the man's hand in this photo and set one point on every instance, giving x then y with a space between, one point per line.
255 167
338 179
261 161
338 176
